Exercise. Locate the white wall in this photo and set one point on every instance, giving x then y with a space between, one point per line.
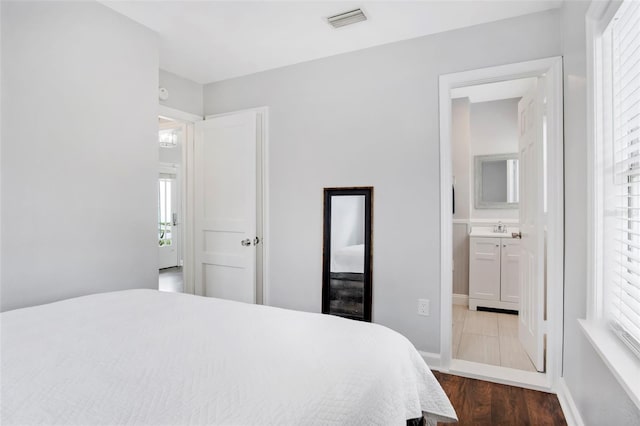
79 88
596 392
494 130
370 118
173 155
184 95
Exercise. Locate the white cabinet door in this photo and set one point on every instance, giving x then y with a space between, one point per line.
510 268
484 268
225 207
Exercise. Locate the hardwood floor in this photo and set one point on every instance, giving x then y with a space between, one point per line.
483 403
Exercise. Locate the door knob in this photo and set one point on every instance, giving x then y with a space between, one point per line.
246 242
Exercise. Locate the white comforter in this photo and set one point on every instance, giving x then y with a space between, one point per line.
146 357
348 259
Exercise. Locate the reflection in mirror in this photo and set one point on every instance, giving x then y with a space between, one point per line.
496 181
346 284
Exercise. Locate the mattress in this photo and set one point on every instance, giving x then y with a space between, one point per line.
152 358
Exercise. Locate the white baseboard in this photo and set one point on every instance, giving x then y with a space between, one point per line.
501 375
432 359
460 299
569 408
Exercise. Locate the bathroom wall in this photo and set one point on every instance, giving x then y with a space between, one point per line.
460 140
493 130
481 128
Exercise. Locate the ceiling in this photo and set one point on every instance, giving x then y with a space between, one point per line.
507 89
208 41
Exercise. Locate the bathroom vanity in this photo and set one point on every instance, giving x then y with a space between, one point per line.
494 268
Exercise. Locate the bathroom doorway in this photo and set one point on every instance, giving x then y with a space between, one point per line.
486 256
498 224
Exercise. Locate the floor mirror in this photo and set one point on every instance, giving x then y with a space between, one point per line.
347 274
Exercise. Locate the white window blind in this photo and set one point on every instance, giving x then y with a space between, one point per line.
622 285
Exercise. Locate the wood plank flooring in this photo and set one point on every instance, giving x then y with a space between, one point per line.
480 403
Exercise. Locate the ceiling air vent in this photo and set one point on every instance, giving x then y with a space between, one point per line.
347 18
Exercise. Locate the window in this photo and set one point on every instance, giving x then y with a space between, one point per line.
621 174
613 310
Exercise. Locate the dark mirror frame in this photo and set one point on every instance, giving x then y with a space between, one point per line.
326 249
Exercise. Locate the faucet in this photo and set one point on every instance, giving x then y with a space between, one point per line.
500 227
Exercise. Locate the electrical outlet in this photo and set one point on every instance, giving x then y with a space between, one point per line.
423 307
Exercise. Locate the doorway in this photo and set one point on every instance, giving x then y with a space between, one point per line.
485 128
501 262
171 140
175 163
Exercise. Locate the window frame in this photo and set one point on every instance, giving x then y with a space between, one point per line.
619 358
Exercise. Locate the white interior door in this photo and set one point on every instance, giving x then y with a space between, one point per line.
225 206
531 313
168 238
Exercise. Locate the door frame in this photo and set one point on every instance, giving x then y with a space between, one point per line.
186 188
262 202
548 381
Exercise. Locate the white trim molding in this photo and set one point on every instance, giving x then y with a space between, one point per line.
460 299
552 67
622 363
498 374
432 359
176 114
568 405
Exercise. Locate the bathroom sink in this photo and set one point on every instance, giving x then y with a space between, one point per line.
487 231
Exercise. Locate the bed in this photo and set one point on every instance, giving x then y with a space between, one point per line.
153 358
348 259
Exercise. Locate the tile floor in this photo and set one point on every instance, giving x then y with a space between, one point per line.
489 338
170 279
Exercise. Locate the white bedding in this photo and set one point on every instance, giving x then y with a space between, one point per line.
348 259
146 357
